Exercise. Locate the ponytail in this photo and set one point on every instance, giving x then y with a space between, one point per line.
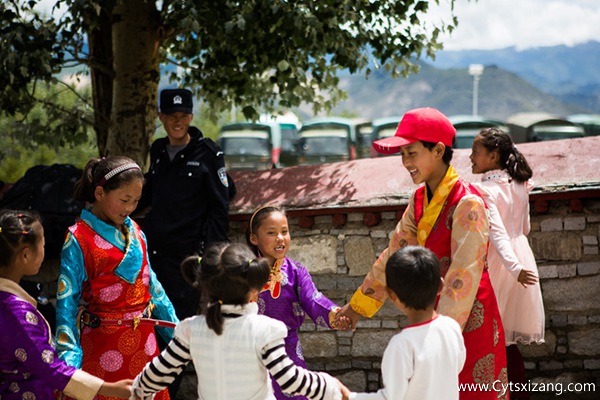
226 274
511 159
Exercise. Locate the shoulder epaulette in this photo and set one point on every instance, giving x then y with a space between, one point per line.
213 146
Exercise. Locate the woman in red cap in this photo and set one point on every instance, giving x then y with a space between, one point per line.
448 216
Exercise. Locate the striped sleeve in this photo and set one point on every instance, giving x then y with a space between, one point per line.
162 370
296 380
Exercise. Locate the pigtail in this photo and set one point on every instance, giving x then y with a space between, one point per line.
190 270
510 158
517 166
84 187
227 275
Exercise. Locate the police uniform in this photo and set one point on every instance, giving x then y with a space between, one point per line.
189 209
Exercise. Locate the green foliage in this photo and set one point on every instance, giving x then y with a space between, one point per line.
254 55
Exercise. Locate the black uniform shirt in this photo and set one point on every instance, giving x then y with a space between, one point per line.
188 196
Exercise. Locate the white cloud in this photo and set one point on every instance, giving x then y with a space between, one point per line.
493 24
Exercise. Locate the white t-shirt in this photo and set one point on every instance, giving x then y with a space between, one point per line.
422 362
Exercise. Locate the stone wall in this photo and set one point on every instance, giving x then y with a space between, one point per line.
339 248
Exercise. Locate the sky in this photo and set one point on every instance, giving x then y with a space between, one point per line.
495 24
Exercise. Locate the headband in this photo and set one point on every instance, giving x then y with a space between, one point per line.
116 171
253 215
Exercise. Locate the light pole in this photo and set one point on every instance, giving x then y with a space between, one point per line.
476 70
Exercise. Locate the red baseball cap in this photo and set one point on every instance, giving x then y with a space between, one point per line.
425 124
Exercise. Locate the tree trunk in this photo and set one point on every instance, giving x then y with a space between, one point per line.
100 42
135 36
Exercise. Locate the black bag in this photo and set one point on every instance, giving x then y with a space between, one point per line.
49 191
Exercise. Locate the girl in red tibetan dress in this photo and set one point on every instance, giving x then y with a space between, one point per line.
109 300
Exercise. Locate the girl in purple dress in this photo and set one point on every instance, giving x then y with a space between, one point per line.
290 293
29 365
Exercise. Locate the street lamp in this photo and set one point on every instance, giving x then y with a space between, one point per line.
476 70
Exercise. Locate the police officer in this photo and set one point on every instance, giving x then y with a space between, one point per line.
187 190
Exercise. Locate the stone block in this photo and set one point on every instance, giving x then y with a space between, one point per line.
591 364
551 225
321 344
359 255
574 223
590 240
590 250
370 344
574 294
567 270
316 253
585 342
550 365
577 319
356 381
548 271
588 268
565 246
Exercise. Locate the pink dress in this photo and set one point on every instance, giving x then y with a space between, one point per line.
522 309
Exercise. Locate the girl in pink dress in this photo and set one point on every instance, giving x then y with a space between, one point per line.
505 186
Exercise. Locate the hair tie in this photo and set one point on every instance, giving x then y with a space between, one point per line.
0 229
116 171
220 301
199 260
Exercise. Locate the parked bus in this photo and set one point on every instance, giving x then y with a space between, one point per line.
250 146
589 122
468 126
382 128
538 127
328 139
288 125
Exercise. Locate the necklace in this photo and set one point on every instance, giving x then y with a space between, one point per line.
275 277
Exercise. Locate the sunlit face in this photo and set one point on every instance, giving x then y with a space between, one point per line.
37 252
420 162
272 237
482 160
114 206
176 125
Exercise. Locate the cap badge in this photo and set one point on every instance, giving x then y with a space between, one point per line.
177 100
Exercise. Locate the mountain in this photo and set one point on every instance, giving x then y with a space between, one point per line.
501 93
569 73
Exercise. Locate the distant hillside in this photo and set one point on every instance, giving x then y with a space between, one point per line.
501 94
568 73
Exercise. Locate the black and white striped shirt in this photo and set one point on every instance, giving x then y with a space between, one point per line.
236 364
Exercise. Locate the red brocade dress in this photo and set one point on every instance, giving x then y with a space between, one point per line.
453 224
106 278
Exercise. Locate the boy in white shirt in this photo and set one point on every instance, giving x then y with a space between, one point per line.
423 360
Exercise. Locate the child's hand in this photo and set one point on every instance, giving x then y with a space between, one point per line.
345 390
527 277
120 389
347 317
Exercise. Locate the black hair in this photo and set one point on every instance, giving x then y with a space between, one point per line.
16 231
447 157
413 274
511 158
256 221
225 274
95 172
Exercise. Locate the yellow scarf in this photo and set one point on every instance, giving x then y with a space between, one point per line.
432 209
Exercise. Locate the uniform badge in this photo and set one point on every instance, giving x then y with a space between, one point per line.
223 177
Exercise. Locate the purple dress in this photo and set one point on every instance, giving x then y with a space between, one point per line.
29 365
288 297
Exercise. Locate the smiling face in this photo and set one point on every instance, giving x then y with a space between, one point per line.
424 165
272 237
114 206
482 160
176 125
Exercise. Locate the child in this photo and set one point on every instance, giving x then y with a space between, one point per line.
108 297
232 347
423 360
505 186
29 365
448 216
290 293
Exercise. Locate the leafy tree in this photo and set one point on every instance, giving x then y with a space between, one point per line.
255 54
